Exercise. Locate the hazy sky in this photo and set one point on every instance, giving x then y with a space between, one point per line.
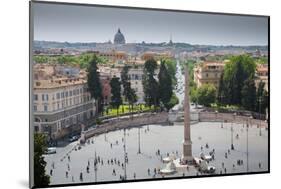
71 23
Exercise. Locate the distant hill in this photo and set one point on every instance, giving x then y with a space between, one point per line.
184 46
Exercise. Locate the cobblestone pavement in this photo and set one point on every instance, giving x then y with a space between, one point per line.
168 139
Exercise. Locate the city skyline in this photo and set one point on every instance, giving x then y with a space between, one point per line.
68 23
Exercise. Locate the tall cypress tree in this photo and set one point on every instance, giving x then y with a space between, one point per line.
94 84
125 82
116 99
150 85
128 92
165 85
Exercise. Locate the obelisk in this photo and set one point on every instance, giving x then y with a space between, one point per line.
187 145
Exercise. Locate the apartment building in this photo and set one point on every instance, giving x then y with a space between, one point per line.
208 73
61 101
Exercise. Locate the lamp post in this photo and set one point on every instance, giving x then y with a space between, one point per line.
139 151
260 100
232 145
216 112
95 165
247 141
125 156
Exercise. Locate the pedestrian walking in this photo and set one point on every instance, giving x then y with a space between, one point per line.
81 176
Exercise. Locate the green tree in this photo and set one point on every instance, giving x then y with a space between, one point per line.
128 92
132 98
206 94
116 99
171 66
125 82
165 85
173 101
236 71
262 98
249 94
193 95
94 84
150 85
40 148
41 59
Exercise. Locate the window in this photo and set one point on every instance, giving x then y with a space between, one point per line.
43 97
58 105
58 95
70 93
45 108
62 95
207 75
47 97
81 90
35 97
66 94
35 108
36 129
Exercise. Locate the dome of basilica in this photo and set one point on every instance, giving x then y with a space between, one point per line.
119 38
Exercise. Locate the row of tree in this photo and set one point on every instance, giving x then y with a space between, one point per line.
158 93
237 87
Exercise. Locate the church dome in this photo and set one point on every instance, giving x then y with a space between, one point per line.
119 38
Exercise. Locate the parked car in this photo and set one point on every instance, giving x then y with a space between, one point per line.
51 150
73 138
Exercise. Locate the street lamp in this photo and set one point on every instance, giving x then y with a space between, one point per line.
247 141
139 151
216 112
260 100
95 165
125 156
232 146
